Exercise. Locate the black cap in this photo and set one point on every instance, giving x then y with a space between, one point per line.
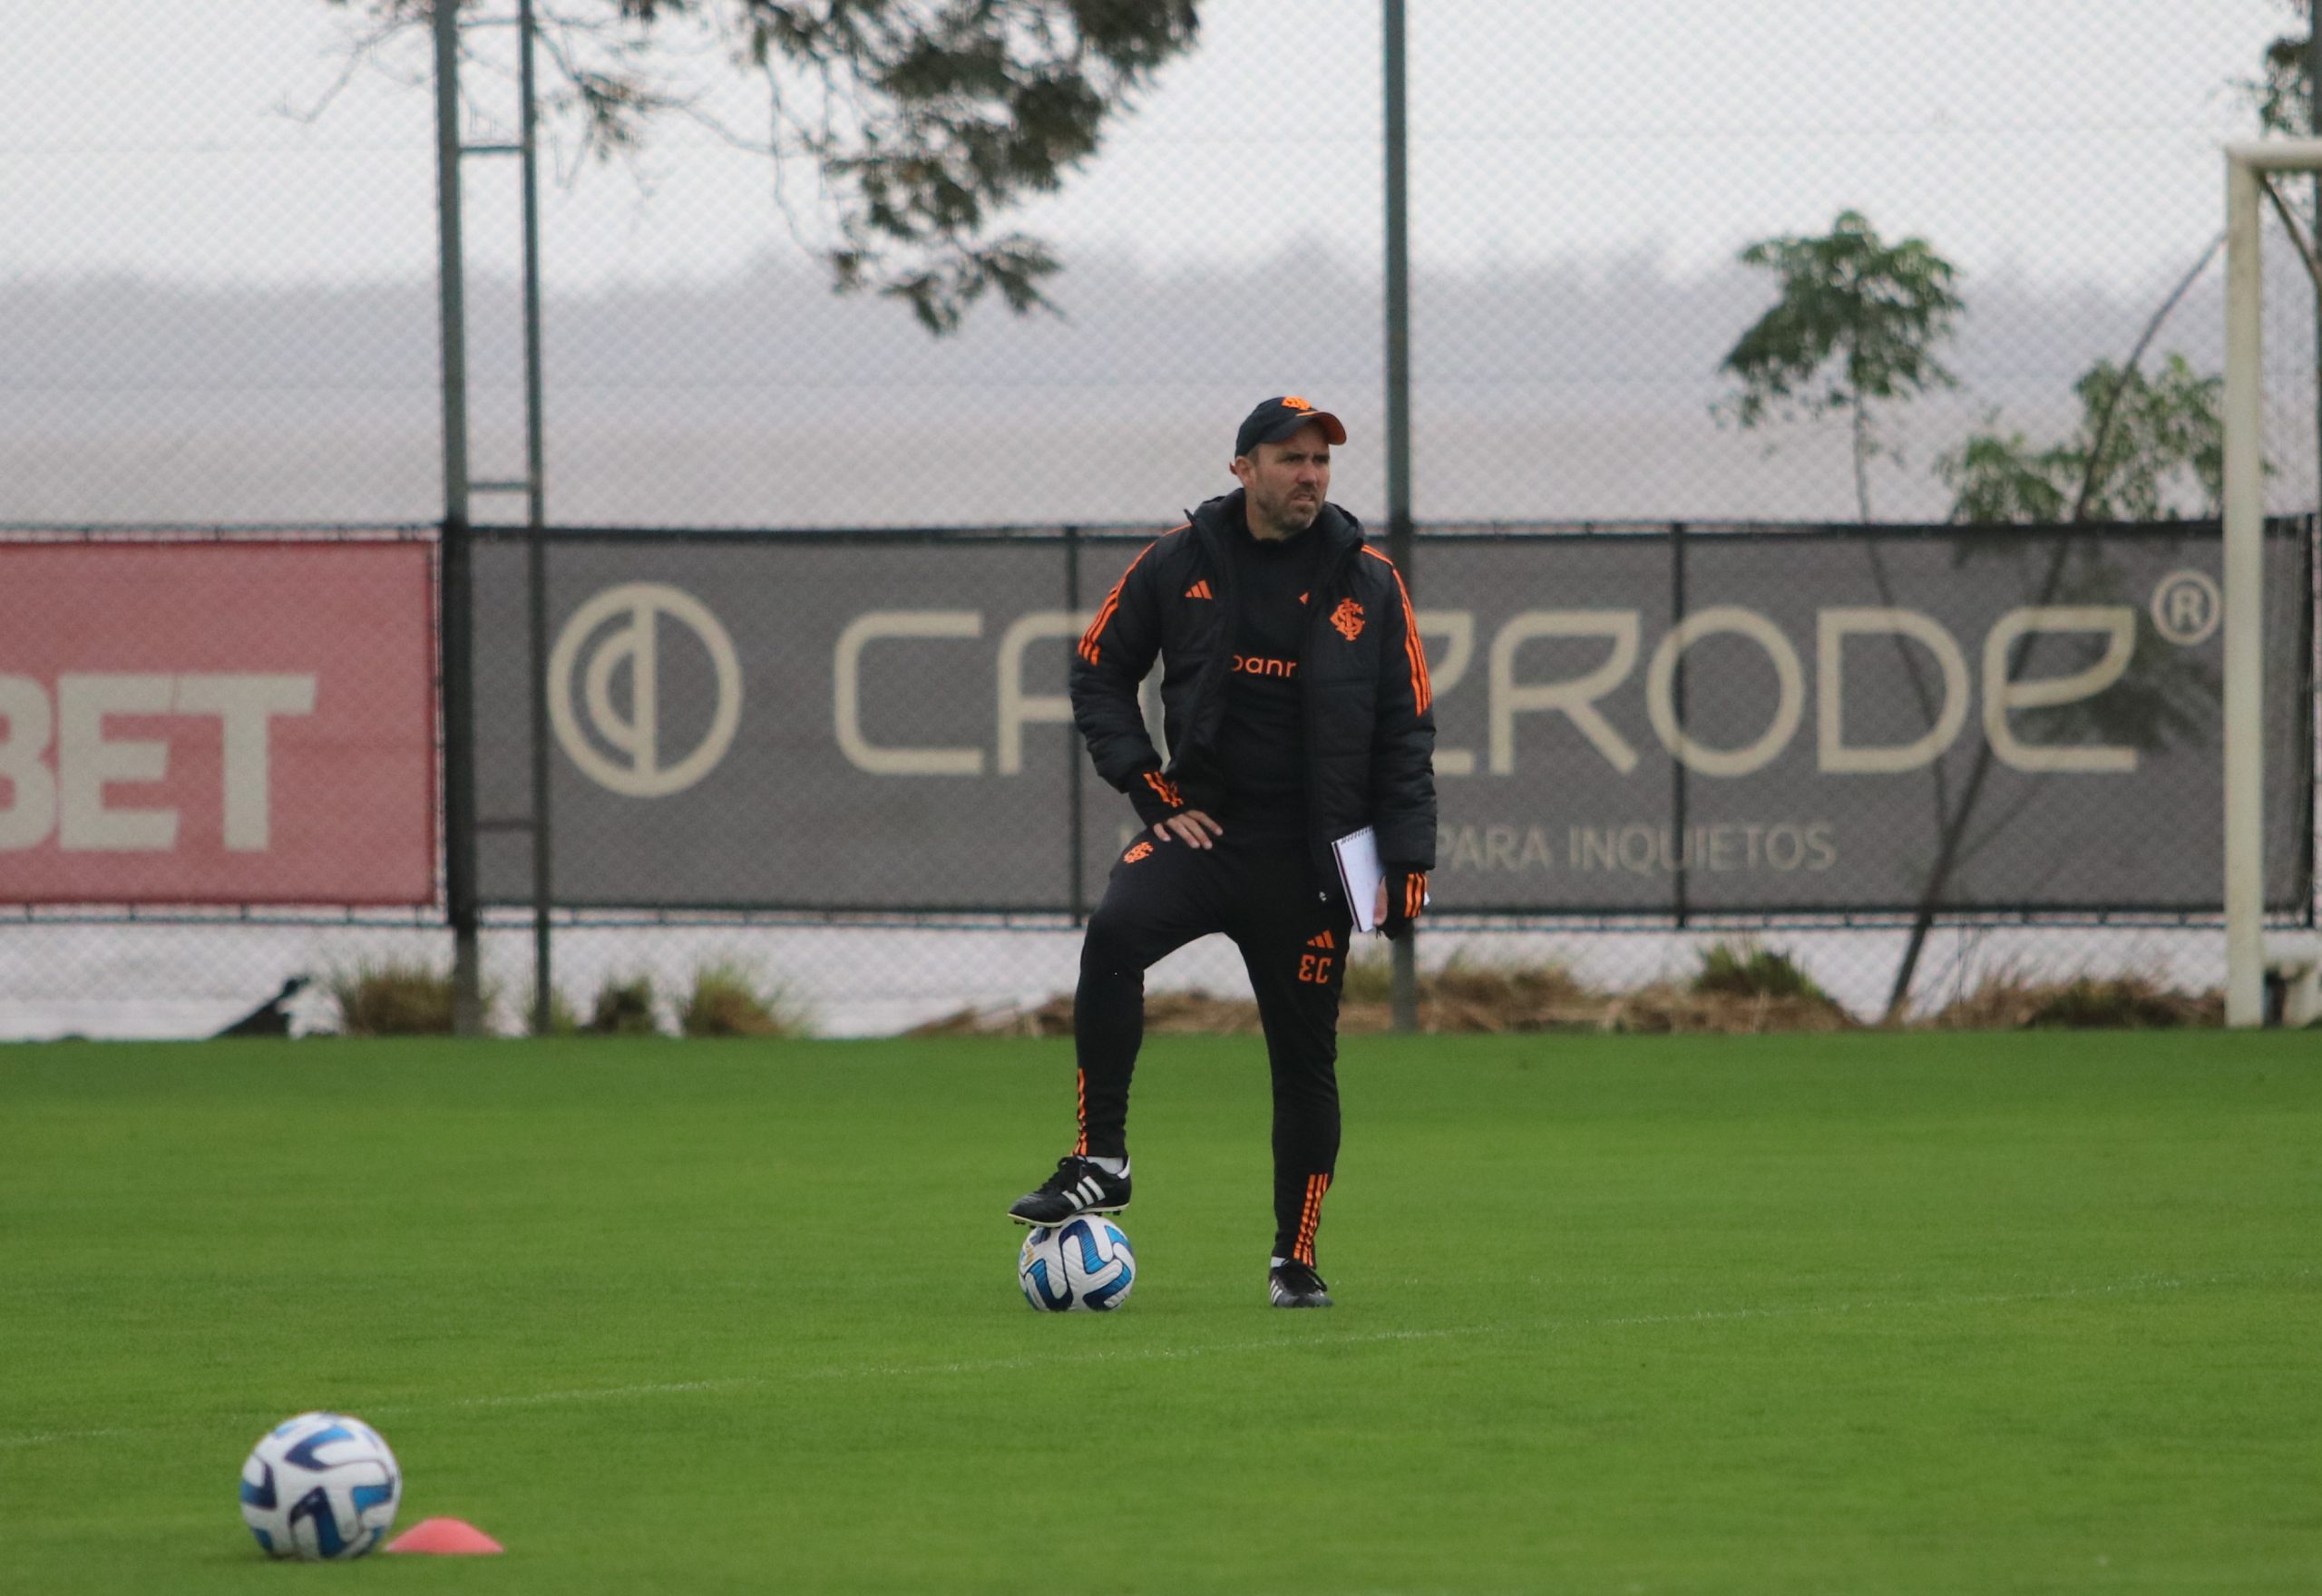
1277 419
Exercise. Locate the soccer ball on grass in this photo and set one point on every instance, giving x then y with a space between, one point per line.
1084 1263
321 1487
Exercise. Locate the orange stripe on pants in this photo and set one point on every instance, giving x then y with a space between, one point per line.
1310 1218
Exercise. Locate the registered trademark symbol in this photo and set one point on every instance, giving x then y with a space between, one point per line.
2187 606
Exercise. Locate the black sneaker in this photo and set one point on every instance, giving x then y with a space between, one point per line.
1078 1186
1293 1284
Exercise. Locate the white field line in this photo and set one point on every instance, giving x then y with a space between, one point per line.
553 1399
48 1437
2134 1285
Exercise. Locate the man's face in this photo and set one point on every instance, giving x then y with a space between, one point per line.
1286 483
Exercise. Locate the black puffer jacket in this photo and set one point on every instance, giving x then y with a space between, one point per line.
1370 723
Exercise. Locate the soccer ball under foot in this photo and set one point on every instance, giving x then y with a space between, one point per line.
1083 1264
321 1487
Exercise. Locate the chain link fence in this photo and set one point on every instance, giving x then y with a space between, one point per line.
217 309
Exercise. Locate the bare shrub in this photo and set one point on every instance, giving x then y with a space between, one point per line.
624 1009
394 998
1745 969
725 1001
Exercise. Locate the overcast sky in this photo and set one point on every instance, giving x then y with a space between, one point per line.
2070 139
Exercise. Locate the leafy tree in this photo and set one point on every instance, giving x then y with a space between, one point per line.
927 120
2140 442
1856 325
2282 92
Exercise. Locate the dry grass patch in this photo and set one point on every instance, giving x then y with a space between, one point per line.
1739 989
1458 997
2012 1000
1670 1007
1463 997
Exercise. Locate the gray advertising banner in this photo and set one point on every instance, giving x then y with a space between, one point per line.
1650 722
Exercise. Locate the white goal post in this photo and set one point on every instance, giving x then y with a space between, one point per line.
2246 167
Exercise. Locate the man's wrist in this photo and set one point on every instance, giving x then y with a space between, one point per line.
1406 890
1155 796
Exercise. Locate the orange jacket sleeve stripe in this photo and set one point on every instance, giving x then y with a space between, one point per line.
1087 650
1105 610
1414 651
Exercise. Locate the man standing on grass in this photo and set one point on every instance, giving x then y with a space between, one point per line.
1296 708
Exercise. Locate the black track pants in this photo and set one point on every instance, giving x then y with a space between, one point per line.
1266 895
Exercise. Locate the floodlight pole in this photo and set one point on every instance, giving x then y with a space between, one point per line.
2244 592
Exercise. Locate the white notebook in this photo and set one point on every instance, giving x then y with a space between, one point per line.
1360 873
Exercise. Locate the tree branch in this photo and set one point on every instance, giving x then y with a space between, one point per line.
928 120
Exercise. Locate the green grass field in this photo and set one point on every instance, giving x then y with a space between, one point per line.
1865 1313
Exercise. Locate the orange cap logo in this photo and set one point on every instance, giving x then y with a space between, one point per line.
1292 401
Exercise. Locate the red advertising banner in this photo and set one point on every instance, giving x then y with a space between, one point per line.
216 723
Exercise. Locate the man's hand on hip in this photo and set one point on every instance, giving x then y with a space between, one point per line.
1160 804
1191 827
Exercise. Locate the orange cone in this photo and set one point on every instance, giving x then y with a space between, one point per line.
445 1537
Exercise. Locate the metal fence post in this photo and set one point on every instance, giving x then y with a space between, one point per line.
536 543
1075 755
2311 710
455 629
1398 409
1678 882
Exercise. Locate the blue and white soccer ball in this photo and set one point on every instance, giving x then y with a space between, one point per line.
321 1487
1084 1263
